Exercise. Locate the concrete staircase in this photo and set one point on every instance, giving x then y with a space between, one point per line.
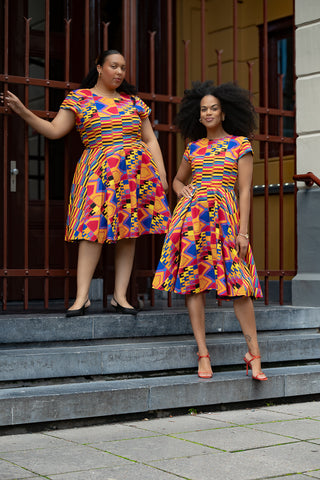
53 368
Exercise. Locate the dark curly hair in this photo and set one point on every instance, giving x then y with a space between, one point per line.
91 79
240 116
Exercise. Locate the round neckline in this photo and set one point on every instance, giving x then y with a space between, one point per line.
217 139
113 99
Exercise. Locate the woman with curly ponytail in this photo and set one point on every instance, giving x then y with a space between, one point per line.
118 189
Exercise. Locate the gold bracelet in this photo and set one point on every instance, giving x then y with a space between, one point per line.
245 235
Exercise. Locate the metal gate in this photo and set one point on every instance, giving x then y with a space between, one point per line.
45 58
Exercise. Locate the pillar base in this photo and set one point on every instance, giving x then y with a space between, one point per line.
306 284
306 290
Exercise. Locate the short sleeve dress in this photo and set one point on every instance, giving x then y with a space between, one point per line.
199 251
116 190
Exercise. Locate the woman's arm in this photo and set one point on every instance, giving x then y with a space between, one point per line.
61 125
148 137
180 181
245 170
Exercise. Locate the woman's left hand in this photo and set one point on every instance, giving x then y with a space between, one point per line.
242 244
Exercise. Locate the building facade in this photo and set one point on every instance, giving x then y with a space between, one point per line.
167 44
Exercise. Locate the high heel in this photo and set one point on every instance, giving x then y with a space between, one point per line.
80 311
248 364
124 310
204 374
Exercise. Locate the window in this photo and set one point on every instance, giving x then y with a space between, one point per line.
280 61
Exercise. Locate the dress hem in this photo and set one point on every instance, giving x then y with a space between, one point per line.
219 297
109 241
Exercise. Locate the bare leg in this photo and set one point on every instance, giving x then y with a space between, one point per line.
88 257
124 257
196 303
244 311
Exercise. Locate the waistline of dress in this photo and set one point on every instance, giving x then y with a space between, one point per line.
213 189
114 147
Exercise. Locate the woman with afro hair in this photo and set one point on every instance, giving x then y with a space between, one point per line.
207 245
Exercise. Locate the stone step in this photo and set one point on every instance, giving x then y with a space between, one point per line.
52 327
105 398
127 356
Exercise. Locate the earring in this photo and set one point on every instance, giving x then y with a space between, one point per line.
200 120
99 74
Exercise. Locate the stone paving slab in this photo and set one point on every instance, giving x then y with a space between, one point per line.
295 457
101 433
249 465
13 472
234 439
181 424
128 472
28 441
302 429
51 461
248 416
219 467
154 448
304 409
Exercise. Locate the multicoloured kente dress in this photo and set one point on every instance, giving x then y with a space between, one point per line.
116 191
199 251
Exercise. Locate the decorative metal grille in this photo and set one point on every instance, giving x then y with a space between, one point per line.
41 66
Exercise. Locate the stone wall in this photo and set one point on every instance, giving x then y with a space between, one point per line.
306 284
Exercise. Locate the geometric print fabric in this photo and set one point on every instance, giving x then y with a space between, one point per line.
199 251
116 190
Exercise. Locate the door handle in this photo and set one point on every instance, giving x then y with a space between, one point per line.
13 176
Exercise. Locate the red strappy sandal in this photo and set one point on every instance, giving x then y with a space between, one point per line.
248 364
204 374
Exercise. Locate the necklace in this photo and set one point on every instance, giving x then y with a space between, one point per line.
108 95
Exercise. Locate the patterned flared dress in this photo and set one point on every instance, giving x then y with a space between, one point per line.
116 190
199 252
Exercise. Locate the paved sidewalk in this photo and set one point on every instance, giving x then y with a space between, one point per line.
278 442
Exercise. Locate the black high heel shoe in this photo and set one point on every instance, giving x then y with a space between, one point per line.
124 310
79 312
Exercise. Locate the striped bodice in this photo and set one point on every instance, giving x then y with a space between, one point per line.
214 163
105 122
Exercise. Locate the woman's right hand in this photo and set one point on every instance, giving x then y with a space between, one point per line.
187 191
12 101
62 123
242 244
